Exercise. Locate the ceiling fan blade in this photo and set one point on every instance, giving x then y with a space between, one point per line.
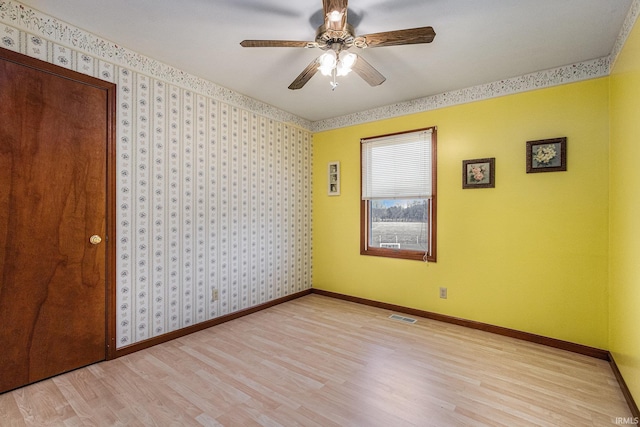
399 37
305 75
367 72
276 43
336 6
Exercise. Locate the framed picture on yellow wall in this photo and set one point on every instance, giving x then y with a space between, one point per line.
479 173
547 155
333 179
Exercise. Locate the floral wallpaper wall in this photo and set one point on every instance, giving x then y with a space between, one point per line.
213 188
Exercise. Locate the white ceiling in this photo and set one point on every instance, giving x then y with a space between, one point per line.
477 41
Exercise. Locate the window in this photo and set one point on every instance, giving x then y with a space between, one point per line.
398 207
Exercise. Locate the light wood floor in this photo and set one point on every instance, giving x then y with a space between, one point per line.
317 361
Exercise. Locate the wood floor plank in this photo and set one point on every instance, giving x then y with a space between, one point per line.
318 361
10 414
42 403
78 403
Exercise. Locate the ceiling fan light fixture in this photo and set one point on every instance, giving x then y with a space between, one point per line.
327 62
346 63
342 71
325 71
335 16
348 59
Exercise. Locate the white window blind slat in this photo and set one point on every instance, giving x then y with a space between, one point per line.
397 166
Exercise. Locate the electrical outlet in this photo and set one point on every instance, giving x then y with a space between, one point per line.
443 293
214 295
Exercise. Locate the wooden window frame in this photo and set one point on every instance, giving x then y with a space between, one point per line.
365 249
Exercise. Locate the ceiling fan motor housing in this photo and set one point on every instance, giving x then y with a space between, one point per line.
327 38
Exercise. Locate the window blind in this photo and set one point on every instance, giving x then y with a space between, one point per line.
397 166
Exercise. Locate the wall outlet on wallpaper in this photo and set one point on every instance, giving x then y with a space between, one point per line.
443 293
214 295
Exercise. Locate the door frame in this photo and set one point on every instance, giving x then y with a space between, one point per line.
110 208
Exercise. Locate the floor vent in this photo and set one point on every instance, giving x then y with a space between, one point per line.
402 318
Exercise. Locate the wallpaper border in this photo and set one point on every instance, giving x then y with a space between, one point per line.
542 79
627 27
28 19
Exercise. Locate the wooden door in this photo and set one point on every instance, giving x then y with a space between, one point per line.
54 132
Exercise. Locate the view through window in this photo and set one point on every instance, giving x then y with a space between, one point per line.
399 224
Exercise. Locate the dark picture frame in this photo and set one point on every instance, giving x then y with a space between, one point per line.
479 173
547 155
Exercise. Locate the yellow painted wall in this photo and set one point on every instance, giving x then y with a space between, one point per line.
624 278
530 254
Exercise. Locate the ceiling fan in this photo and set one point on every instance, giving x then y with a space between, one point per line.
337 36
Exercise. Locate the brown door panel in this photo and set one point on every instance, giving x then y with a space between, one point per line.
53 180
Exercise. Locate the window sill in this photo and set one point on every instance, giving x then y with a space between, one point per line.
397 253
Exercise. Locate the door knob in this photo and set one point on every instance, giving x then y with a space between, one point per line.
95 239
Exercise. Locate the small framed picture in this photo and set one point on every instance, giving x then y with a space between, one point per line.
333 179
547 155
479 173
